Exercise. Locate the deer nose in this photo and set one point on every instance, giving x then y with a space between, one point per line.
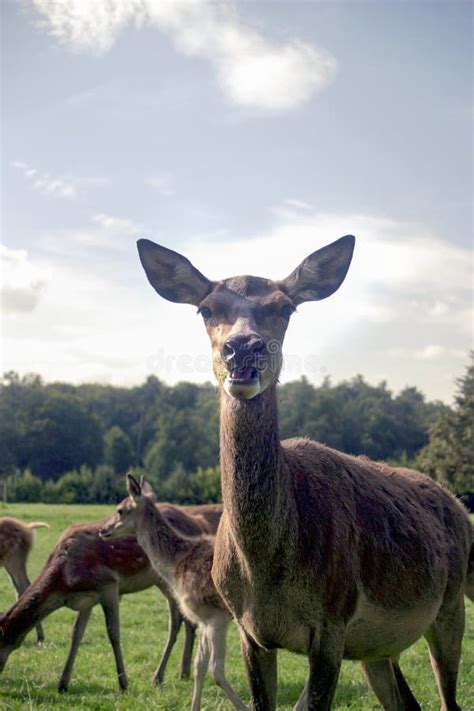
238 347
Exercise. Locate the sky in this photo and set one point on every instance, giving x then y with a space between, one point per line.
244 135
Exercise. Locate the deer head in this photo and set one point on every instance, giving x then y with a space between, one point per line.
122 523
246 317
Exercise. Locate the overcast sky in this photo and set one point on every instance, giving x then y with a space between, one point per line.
244 135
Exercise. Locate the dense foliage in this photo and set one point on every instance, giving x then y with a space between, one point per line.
449 456
65 443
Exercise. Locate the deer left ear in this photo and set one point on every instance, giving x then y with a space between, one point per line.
133 487
146 488
322 273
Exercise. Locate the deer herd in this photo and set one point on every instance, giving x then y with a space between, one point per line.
321 553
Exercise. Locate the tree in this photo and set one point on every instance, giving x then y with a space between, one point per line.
118 450
25 487
75 487
449 456
106 488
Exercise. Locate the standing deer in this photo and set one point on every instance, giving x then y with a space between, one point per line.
16 541
185 563
360 559
84 570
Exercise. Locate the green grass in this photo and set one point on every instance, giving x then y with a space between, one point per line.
32 672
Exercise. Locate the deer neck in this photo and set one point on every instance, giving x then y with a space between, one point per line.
41 598
252 468
163 545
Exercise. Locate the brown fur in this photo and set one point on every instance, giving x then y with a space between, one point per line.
186 565
84 570
16 541
358 559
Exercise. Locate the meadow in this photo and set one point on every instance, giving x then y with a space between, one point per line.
32 672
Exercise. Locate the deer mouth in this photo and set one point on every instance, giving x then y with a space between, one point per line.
243 383
245 375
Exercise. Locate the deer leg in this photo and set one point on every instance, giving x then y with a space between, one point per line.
201 664
444 639
409 701
302 703
175 620
380 677
110 606
325 659
218 644
20 580
77 634
189 635
261 668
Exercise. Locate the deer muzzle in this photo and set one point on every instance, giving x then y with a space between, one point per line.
245 357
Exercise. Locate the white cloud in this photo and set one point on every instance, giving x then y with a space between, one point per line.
252 71
45 183
162 184
430 353
299 204
104 232
119 225
433 352
396 321
23 283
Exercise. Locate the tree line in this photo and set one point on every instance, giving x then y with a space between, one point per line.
65 443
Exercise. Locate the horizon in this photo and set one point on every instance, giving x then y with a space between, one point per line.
245 137
325 379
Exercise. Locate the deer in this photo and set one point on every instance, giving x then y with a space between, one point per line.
16 541
185 563
84 570
361 559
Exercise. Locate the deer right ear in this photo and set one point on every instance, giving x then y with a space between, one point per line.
172 275
133 487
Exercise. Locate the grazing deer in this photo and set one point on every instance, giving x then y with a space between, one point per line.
185 564
359 559
16 541
84 570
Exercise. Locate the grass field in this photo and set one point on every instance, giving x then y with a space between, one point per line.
30 677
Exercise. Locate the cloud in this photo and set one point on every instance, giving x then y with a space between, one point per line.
299 204
104 232
45 183
433 352
403 314
118 225
252 71
162 184
429 353
23 283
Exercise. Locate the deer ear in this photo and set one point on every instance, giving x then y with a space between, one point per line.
322 273
133 487
172 275
146 488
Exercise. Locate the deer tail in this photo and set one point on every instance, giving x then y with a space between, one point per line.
38 524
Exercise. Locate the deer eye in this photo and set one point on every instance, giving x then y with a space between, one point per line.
205 312
287 310
120 512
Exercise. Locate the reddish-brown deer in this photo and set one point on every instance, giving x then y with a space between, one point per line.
84 570
16 541
185 563
360 559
